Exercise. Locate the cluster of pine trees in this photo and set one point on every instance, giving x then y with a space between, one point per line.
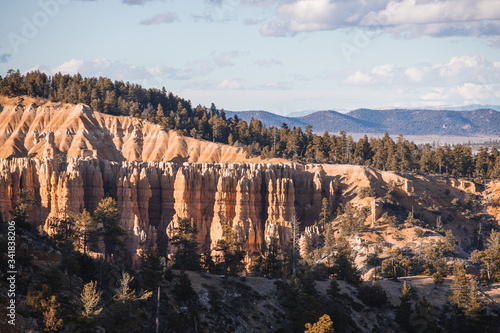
175 113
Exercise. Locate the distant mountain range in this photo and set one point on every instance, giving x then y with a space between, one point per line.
267 118
483 121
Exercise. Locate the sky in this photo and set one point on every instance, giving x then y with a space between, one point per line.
281 56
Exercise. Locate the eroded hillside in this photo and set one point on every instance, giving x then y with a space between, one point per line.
38 128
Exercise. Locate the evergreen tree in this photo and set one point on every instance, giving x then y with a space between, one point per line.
185 240
403 310
25 201
90 297
475 307
423 318
125 294
490 257
106 216
295 257
449 246
333 290
207 261
323 325
232 255
271 263
324 215
482 162
460 288
344 266
85 229
152 270
160 114
52 321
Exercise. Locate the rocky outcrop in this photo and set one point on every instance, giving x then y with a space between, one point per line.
247 222
256 200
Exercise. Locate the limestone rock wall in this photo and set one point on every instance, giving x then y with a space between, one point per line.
256 200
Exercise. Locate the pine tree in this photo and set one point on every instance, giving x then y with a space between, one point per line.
344 265
125 293
85 229
460 288
333 290
271 263
90 297
490 258
25 201
152 270
482 162
106 215
324 215
185 241
403 310
449 246
423 318
160 114
207 261
323 325
475 306
232 255
51 319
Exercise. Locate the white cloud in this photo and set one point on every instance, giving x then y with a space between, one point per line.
416 74
120 70
229 84
460 81
430 12
116 70
472 69
385 71
467 93
72 66
302 15
401 17
359 79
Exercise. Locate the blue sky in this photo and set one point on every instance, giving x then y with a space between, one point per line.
276 55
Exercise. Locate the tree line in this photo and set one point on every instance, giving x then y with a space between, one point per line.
175 113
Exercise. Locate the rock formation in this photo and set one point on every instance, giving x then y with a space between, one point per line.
256 200
71 157
57 130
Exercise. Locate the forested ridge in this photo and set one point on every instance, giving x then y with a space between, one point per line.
301 145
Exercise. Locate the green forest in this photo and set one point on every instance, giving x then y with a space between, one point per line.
297 144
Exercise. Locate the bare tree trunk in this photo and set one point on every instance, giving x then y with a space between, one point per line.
158 312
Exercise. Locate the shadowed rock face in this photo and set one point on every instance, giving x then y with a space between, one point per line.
254 199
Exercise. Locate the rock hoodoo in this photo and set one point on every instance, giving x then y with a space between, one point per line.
255 200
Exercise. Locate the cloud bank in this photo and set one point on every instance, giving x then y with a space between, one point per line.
405 18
